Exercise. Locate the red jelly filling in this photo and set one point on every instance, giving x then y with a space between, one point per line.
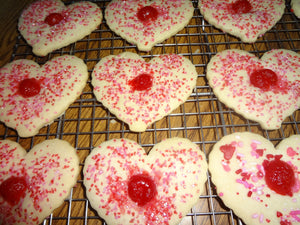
279 176
142 82
263 79
147 14
241 6
13 189
29 87
141 189
53 19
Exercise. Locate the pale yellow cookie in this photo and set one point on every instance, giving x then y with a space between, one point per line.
148 22
295 4
127 186
32 96
139 92
259 183
33 184
246 19
48 25
265 90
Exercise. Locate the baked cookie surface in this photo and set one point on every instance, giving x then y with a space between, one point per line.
245 19
48 25
33 184
139 92
145 22
295 4
259 183
127 186
32 96
264 90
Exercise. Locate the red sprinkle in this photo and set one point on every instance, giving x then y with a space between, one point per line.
279 214
13 189
279 176
241 6
142 82
147 14
263 79
238 171
249 194
29 87
260 152
141 189
54 18
285 222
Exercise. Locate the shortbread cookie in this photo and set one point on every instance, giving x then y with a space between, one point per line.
265 90
33 184
127 186
246 19
33 96
140 93
148 22
48 25
259 183
295 4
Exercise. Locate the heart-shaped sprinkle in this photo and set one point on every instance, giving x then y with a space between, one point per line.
140 93
266 180
33 96
33 184
265 90
246 19
127 186
148 22
48 25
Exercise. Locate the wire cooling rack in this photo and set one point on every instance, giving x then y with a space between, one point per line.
202 118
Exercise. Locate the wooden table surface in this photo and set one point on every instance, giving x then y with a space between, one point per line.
202 119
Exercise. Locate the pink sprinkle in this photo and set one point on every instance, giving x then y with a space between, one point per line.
295 214
290 152
226 166
245 183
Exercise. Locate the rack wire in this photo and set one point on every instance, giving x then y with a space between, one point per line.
202 118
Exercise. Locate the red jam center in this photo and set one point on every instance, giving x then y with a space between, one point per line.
13 189
142 82
263 79
279 176
147 14
241 6
53 19
29 87
141 189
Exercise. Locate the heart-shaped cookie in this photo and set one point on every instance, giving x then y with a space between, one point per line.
33 184
127 186
148 22
246 19
48 25
140 93
259 183
265 90
33 96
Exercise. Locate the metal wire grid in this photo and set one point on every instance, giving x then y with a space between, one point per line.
202 118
